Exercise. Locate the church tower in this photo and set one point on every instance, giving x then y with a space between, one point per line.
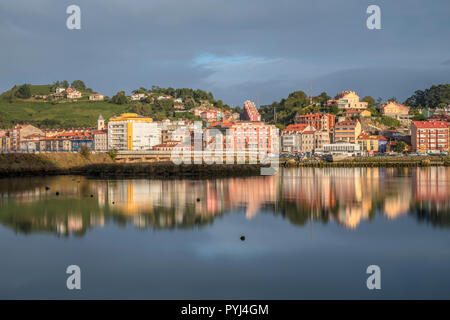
100 123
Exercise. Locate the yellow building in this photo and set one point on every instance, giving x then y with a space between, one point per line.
397 111
132 132
96 97
348 100
369 144
393 108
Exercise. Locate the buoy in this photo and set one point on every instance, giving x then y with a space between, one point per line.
198 199
242 238
47 188
57 193
92 195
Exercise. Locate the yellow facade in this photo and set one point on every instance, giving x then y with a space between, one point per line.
394 108
366 113
131 117
129 136
369 144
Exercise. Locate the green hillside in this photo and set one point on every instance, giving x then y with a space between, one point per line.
60 115
19 106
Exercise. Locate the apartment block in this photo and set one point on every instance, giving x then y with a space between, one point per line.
429 136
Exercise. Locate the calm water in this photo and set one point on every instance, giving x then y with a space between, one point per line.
310 233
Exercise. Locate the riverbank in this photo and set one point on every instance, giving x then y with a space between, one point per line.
381 162
101 165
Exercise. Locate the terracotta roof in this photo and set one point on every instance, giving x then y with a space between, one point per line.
296 127
430 124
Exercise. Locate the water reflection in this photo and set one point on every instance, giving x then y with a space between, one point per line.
347 196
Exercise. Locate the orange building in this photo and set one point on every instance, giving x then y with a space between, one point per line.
320 121
347 131
430 136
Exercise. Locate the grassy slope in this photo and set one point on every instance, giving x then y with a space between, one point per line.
83 113
69 114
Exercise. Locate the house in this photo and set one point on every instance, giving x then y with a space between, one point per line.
209 115
347 131
19 132
58 95
164 97
430 136
138 96
96 97
79 141
60 90
30 143
352 113
370 144
73 94
100 139
347 100
396 110
5 141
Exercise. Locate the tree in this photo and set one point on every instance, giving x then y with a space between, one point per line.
430 98
419 117
393 99
378 103
323 98
78 85
24 91
65 84
370 101
400 146
113 154
140 90
333 109
119 98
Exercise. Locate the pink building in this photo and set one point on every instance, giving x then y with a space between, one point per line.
251 112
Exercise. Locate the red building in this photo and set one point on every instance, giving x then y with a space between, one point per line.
320 121
430 136
251 112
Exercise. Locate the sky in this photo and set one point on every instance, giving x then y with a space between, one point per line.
238 49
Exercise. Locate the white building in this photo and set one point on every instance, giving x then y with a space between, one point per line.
138 96
132 132
340 148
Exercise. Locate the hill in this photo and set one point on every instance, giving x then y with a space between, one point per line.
66 113
59 115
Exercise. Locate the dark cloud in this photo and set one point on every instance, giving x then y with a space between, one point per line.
234 48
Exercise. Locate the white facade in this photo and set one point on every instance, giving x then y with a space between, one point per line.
133 135
146 135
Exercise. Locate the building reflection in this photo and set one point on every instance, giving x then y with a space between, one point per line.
347 196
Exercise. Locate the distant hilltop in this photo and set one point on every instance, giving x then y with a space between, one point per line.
64 105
